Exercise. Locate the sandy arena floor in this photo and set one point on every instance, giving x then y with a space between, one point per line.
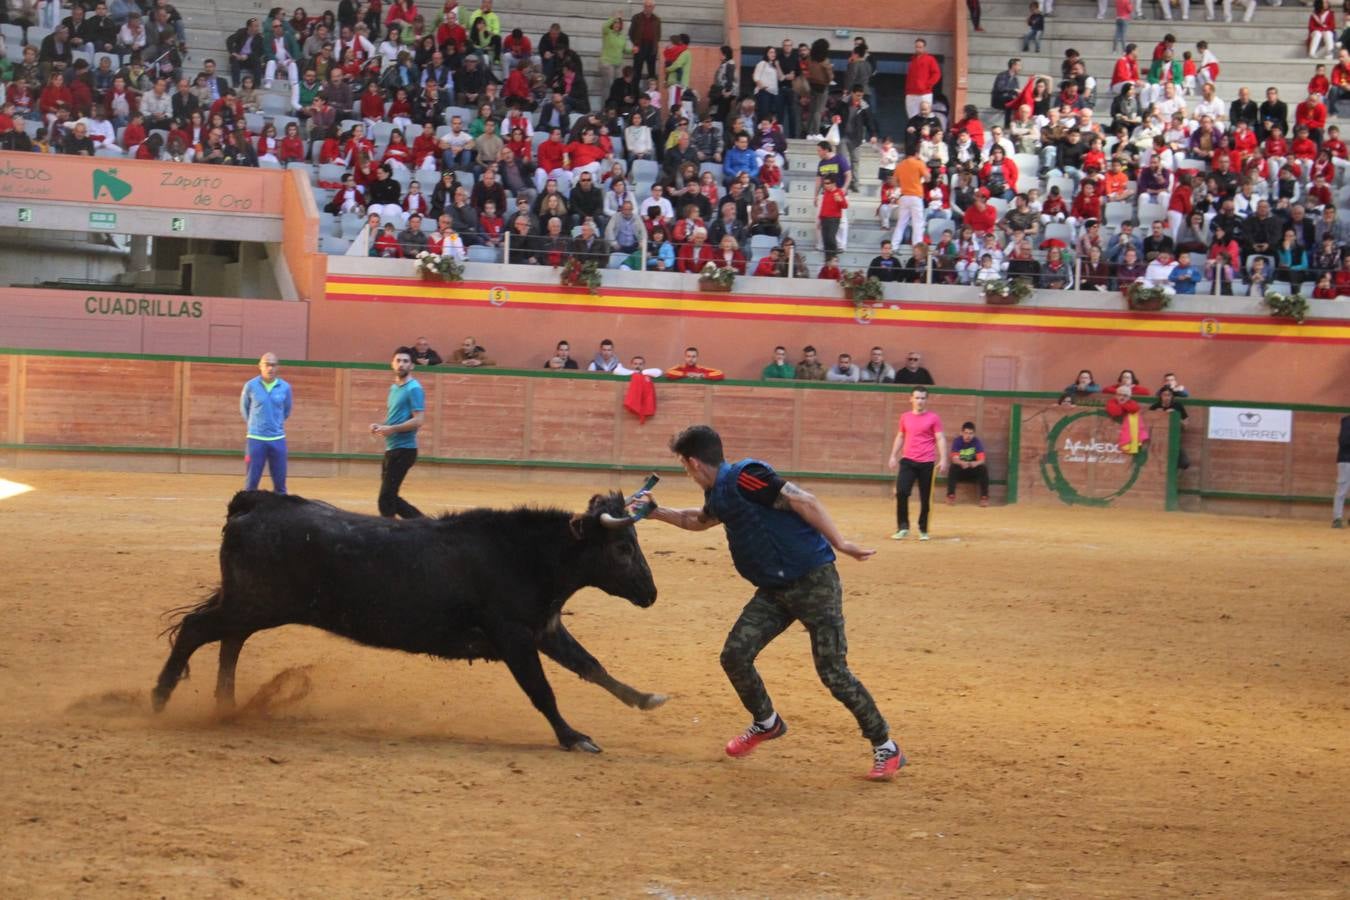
1094 702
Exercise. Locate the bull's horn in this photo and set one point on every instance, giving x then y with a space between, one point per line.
615 522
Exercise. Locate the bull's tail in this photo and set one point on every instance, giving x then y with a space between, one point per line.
178 614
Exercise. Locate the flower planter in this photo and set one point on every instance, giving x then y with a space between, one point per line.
1147 304
997 298
713 285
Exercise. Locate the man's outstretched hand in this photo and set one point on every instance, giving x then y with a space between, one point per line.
853 550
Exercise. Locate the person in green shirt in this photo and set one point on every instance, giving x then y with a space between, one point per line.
614 46
494 28
780 367
678 63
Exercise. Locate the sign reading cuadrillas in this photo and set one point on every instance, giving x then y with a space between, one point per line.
152 307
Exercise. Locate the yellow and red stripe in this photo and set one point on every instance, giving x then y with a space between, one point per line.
836 310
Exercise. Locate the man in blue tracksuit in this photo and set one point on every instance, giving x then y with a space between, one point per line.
780 539
265 404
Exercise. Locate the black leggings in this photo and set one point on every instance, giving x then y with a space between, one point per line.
395 469
974 7
911 472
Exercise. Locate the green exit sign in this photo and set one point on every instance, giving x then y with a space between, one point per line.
178 223
25 215
103 221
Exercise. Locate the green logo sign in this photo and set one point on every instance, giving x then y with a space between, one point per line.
103 220
25 215
178 223
106 180
1084 465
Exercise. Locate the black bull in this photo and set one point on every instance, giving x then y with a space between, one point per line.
482 584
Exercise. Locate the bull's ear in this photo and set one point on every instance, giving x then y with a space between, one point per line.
577 526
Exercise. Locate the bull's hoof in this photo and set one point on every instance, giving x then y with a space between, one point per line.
585 745
652 701
158 699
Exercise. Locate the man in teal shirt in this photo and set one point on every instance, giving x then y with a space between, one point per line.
407 410
780 367
265 404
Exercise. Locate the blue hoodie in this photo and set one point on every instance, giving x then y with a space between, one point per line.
265 408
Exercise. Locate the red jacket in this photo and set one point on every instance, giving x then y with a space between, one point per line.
53 97
292 149
685 261
550 155
1314 115
923 74
1085 207
1126 70
372 105
581 154
832 204
980 222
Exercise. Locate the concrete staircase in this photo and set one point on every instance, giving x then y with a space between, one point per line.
1270 51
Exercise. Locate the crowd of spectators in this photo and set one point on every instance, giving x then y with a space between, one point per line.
876 370
1150 176
444 130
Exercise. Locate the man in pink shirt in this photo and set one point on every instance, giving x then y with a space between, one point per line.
922 76
919 446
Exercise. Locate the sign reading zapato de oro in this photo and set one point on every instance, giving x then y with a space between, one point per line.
1234 423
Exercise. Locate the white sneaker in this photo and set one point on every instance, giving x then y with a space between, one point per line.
267 84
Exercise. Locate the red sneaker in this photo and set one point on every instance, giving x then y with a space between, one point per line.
951 499
885 763
756 734
984 501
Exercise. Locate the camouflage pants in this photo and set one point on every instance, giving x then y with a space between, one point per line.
816 600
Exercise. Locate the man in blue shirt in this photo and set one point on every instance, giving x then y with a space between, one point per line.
780 539
968 462
265 404
407 410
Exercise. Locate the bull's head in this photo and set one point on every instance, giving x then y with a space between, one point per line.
619 567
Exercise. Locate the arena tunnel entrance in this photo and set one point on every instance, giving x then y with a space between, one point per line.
149 264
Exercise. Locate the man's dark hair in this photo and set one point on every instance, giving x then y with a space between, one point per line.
808 349
699 442
965 425
606 341
825 145
687 349
779 347
403 351
919 390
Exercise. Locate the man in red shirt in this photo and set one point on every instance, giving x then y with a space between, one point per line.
923 75
833 202
691 369
1311 114
980 216
1340 81
1126 70
919 446
550 162
584 155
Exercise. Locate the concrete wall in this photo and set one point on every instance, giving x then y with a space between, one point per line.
1222 347
110 320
